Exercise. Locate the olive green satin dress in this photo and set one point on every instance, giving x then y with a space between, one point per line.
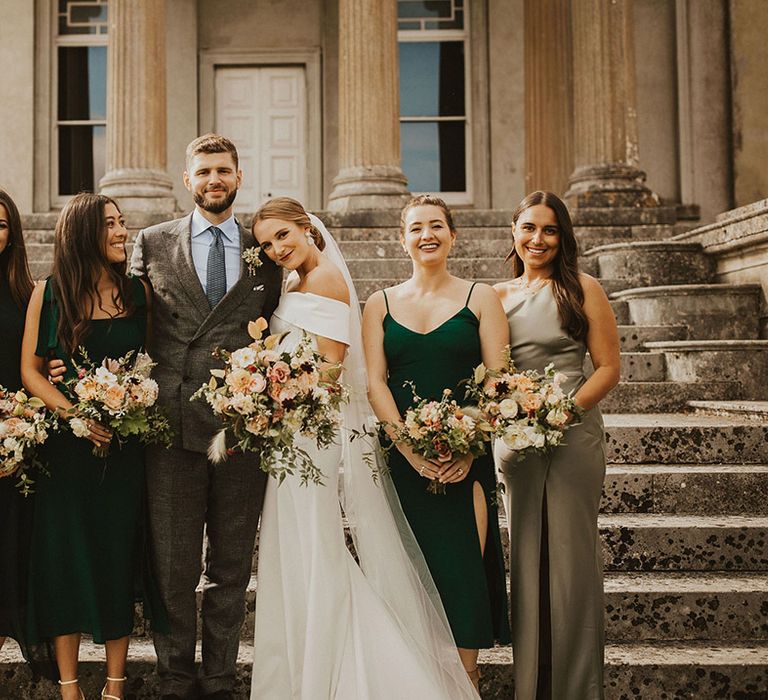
560 495
470 582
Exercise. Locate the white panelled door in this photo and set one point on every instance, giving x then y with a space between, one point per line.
263 111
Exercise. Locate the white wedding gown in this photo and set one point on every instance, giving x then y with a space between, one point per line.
324 628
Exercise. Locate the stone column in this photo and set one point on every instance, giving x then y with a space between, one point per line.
369 109
548 95
136 107
605 114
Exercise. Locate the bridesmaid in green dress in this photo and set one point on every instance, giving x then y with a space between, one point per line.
433 330
87 547
555 315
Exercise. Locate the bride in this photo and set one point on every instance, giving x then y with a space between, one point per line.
327 627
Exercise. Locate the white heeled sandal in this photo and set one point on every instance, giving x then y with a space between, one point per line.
72 682
104 695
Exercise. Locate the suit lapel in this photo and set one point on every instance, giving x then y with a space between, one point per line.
185 268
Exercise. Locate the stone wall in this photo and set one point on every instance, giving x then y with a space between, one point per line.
738 240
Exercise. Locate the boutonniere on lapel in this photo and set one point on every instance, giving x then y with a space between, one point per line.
252 258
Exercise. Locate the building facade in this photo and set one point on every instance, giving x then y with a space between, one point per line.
352 103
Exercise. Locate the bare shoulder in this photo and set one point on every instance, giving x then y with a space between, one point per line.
590 286
37 292
485 294
327 281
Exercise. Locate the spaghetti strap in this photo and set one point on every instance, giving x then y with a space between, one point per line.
386 301
466 303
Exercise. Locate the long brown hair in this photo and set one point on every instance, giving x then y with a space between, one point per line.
79 260
565 278
287 209
14 267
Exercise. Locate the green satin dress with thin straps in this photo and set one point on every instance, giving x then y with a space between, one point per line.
88 551
471 583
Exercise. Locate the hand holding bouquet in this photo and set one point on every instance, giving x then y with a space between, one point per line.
528 410
440 431
24 424
266 397
121 396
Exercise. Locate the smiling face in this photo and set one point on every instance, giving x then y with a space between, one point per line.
116 234
213 179
5 228
284 242
537 238
426 236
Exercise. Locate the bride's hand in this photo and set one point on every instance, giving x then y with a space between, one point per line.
457 470
421 464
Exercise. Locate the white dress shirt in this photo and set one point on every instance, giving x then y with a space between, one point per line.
201 242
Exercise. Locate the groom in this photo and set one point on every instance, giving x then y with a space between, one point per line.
204 297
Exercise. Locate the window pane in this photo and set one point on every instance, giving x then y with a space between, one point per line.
82 157
82 16
432 79
433 156
424 8
82 82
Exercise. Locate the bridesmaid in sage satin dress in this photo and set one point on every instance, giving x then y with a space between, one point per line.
555 315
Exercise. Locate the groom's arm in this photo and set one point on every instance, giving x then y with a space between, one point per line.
138 268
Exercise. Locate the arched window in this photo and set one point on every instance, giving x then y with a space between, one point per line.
434 106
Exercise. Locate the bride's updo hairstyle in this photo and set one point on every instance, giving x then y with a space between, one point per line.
422 200
287 209
565 277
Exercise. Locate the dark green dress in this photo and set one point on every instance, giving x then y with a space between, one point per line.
471 586
88 549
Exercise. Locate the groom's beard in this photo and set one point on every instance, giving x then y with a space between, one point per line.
215 207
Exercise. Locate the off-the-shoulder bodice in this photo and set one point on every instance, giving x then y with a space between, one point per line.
315 314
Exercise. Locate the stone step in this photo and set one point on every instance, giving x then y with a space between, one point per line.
686 489
634 338
646 671
745 361
752 410
663 396
623 216
589 237
650 542
678 438
646 264
674 607
710 311
636 367
621 311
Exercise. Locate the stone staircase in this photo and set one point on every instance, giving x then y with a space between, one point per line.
684 515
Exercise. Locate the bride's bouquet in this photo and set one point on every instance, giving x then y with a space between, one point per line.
120 395
440 431
528 410
24 425
267 397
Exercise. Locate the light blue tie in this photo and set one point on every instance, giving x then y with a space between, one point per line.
216 278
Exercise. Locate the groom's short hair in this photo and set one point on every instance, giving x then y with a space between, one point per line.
211 143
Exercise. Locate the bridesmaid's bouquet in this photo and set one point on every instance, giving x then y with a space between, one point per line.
441 431
24 425
120 395
528 410
267 397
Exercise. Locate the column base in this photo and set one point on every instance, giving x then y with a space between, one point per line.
368 187
611 185
139 189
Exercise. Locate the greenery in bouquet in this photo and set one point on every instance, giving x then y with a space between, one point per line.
120 395
528 410
267 397
24 425
440 431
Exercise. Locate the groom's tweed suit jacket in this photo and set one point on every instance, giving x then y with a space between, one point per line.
185 330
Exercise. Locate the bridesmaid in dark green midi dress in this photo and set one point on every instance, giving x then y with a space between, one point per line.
433 330
87 554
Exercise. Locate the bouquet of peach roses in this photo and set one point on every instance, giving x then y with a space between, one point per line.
441 431
266 397
24 424
120 395
528 410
